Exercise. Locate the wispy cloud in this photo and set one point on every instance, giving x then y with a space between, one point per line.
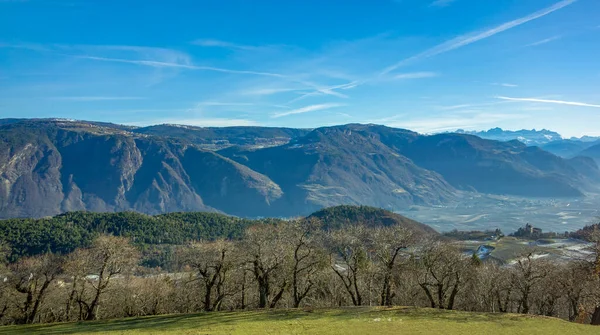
268 91
331 90
415 75
544 41
559 102
307 109
319 89
472 105
219 103
505 84
95 98
467 39
441 3
228 45
159 64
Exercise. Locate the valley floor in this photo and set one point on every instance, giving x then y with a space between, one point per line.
362 320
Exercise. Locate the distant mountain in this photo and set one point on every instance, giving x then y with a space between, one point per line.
214 138
586 138
344 165
592 151
49 166
568 148
529 137
472 163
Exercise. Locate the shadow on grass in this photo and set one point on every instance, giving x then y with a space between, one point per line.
205 321
163 322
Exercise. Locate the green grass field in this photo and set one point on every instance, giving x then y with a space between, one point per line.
362 320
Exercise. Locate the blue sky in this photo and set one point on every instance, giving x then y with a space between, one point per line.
420 64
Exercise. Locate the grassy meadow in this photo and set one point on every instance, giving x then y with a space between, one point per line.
351 320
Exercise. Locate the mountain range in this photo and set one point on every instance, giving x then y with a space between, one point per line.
529 137
548 140
49 166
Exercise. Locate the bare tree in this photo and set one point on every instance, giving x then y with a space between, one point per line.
32 277
388 244
4 253
594 264
308 256
212 262
349 259
96 267
527 273
574 278
267 253
441 272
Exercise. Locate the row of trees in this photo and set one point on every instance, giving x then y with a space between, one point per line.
293 264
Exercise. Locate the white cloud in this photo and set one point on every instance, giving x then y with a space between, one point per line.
268 91
326 91
544 41
560 102
311 108
467 39
415 75
218 103
160 64
223 44
505 84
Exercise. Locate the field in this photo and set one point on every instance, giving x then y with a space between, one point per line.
363 320
480 212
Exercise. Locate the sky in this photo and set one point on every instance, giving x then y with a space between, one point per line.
426 65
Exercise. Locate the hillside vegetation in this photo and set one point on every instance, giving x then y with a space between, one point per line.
66 232
363 320
343 216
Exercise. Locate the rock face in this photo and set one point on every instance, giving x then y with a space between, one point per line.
344 165
52 166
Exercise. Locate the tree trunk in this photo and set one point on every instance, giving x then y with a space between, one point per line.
38 300
596 316
263 292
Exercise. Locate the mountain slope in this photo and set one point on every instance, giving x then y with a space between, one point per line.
471 163
51 167
218 138
566 148
592 151
344 165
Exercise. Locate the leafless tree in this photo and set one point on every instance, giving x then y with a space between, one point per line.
212 262
95 268
441 271
527 273
308 256
268 253
388 245
32 277
349 259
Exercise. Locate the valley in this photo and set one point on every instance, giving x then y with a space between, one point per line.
480 212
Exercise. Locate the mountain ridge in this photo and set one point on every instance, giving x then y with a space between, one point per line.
49 166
